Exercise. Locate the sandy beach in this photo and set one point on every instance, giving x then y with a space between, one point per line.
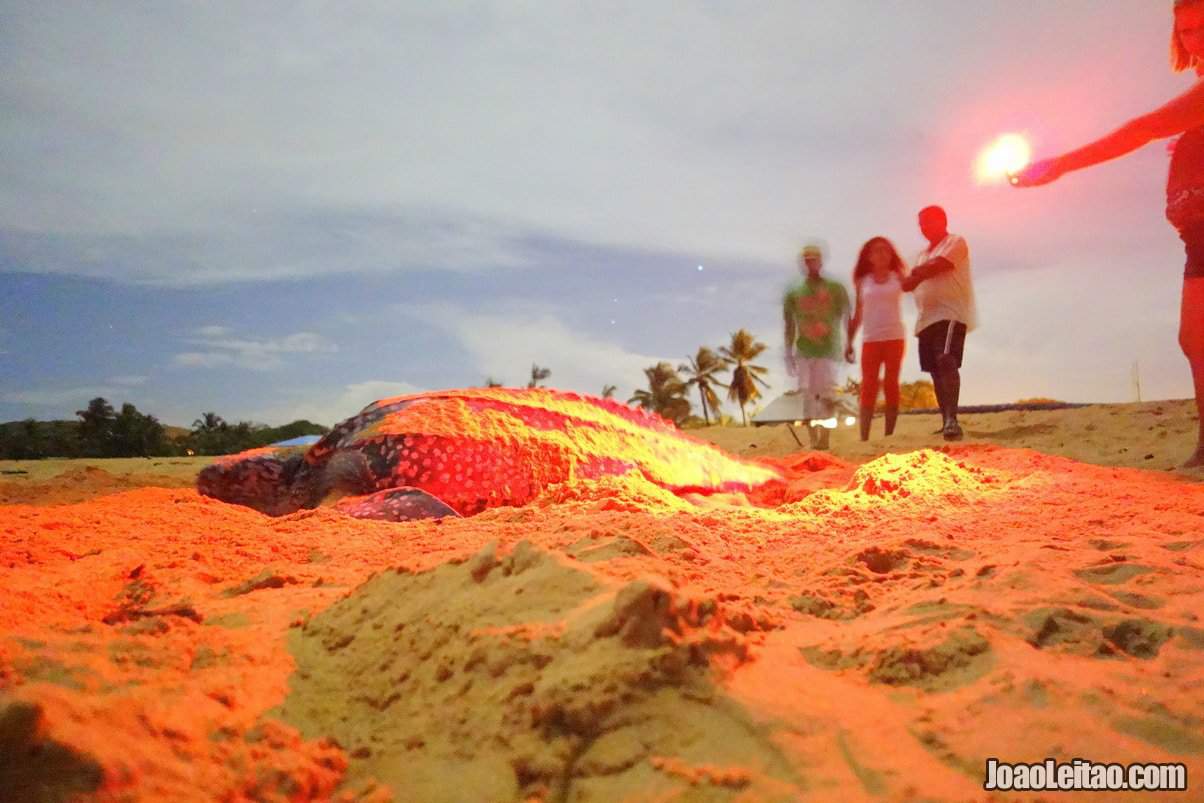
899 612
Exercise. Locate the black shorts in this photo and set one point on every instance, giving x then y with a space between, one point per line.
935 340
1193 239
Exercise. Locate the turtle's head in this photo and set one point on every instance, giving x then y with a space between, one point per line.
261 481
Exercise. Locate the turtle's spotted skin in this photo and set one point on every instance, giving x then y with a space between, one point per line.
462 451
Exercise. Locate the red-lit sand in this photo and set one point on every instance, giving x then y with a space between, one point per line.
875 635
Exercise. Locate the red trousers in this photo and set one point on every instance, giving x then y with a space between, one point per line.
874 356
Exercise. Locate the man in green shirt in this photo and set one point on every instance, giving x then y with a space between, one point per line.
815 311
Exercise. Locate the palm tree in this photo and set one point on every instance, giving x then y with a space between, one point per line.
701 370
208 422
743 389
96 424
666 393
538 375
608 391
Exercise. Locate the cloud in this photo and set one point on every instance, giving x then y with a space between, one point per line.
425 139
1035 340
328 407
281 242
505 343
198 359
260 355
129 380
402 137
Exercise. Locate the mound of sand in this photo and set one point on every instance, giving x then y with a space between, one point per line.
528 676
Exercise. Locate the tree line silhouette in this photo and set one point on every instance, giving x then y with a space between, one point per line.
101 431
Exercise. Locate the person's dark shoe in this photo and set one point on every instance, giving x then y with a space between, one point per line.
953 431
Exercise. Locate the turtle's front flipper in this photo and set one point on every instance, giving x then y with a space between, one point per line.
395 504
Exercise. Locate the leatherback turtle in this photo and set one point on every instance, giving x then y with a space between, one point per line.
458 452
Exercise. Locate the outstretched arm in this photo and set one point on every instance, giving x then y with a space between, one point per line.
1175 117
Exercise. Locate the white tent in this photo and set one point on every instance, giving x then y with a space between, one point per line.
788 409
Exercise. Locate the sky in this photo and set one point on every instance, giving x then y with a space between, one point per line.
288 209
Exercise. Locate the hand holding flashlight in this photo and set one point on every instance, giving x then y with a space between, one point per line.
1036 174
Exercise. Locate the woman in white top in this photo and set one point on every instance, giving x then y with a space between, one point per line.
878 278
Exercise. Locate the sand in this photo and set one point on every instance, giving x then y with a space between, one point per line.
1150 435
873 630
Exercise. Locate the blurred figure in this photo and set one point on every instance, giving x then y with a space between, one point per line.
878 285
814 312
1184 187
945 301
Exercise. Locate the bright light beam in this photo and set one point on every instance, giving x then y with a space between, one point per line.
1007 155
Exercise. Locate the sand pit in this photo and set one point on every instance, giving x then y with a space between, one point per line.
530 676
866 631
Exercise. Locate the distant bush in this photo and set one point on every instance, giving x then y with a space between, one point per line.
32 440
919 395
211 435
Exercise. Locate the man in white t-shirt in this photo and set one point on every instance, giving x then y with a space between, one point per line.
944 296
